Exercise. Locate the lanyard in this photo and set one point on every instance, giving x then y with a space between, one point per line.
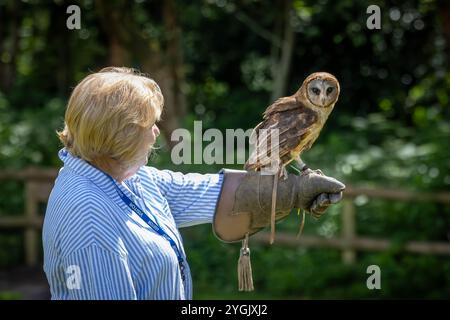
155 226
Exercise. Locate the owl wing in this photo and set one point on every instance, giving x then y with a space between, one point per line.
282 104
292 119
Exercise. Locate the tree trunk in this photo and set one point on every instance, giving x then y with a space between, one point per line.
2 42
283 63
110 17
9 12
56 34
163 62
445 20
175 108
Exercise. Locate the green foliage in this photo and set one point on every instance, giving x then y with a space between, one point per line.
10 296
390 128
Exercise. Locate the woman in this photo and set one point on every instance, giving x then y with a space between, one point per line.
111 226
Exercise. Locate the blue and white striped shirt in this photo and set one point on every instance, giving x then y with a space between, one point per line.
96 247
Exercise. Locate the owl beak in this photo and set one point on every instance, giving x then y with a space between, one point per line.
322 100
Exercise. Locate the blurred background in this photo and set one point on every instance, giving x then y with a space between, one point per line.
223 62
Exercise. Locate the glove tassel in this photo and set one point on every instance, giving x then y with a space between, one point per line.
245 268
300 231
274 204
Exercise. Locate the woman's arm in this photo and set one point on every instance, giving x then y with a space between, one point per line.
192 197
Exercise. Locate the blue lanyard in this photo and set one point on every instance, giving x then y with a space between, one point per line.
153 225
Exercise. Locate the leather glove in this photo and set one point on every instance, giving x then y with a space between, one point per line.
244 205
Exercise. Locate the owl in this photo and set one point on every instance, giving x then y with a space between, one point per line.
298 119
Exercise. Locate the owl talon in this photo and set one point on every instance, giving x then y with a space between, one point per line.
305 171
283 174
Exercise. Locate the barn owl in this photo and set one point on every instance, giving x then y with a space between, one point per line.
299 119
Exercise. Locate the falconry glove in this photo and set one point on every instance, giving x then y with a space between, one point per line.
244 206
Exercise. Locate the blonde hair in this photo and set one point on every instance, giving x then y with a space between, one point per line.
108 114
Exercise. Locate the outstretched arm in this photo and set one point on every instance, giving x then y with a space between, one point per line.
192 197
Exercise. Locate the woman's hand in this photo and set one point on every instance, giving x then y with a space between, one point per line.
316 192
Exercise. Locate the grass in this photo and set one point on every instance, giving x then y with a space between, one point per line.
7 295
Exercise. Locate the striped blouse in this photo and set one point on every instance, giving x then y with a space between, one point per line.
96 247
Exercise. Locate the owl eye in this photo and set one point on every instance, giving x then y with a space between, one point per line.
330 90
316 91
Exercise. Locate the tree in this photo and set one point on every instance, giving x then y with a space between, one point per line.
10 17
161 58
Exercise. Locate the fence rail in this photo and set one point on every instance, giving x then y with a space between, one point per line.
349 242
357 243
39 182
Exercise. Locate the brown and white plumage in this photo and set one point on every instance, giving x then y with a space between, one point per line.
299 119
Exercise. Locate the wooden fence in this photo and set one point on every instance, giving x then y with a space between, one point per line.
39 182
349 242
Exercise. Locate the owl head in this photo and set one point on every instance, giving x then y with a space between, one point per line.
321 89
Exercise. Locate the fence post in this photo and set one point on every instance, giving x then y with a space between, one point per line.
348 230
31 234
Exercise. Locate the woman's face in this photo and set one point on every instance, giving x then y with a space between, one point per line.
147 143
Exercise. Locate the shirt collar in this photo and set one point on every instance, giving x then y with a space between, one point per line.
99 178
87 170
